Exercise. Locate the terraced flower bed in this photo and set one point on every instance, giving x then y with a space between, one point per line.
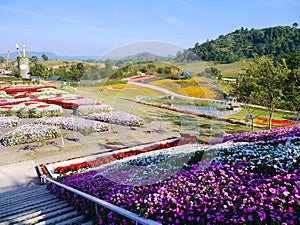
249 178
29 109
117 117
29 133
81 125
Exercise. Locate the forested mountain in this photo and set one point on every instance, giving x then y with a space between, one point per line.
243 43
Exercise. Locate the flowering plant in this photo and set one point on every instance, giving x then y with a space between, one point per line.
77 124
117 117
11 121
29 133
84 110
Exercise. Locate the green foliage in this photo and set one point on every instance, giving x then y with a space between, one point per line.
45 57
33 59
211 72
243 43
263 84
38 69
2 59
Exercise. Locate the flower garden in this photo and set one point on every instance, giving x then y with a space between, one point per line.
47 104
247 178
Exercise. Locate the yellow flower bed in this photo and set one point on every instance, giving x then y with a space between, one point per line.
190 87
200 92
170 85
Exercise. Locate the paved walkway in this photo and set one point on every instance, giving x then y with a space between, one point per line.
18 175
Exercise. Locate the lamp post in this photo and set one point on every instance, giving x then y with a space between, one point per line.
24 51
18 50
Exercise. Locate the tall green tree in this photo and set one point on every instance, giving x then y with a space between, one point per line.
45 57
264 84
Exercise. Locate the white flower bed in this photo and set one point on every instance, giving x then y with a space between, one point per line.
77 124
29 133
149 166
286 154
33 110
85 110
47 92
117 117
10 121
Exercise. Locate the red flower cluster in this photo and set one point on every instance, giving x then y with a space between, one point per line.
73 167
121 155
21 94
15 89
65 105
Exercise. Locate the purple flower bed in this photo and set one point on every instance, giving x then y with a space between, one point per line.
261 135
219 194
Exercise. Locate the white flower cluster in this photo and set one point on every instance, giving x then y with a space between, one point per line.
33 110
10 121
29 133
84 110
3 95
117 117
284 154
81 125
47 92
149 166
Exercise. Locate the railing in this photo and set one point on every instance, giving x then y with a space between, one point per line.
138 219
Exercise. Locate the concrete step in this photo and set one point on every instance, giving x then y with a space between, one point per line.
35 213
36 205
62 219
29 209
47 216
16 206
23 193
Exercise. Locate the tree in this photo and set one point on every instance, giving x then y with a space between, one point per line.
38 69
33 59
295 25
263 84
44 57
2 59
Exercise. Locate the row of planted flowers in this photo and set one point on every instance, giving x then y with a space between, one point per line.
247 183
79 167
81 125
31 109
29 133
117 117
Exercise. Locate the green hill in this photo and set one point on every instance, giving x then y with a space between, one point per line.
243 43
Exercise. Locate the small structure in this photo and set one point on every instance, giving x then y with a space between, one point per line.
185 74
23 63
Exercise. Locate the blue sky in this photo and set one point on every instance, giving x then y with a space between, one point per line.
95 27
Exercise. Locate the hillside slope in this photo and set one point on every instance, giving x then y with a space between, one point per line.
243 43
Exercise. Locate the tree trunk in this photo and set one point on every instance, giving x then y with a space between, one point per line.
270 119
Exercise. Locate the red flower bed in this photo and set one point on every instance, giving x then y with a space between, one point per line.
15 89
13 102
121 155
66 105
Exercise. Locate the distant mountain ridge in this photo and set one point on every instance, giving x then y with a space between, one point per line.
51 56
243 43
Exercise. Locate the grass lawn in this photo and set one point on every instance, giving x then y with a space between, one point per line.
205 129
